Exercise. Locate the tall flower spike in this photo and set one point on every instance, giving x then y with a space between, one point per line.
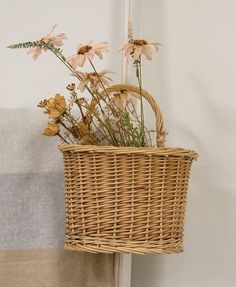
87 51
130 30
47 39
136 47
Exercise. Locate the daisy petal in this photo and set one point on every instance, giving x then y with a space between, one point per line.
99 54
148 52
137 52
53 28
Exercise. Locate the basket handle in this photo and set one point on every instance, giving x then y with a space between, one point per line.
160 138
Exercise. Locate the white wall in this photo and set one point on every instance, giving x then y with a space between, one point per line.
24 82
193 79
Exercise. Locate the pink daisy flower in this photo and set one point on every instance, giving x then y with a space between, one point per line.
92 79
122 99
87 51
136 47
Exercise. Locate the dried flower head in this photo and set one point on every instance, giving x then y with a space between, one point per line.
52 130
42 104
136 47
71 87
48 39
121 99
81 101
54 40
87 51
112 119
55 107
94 80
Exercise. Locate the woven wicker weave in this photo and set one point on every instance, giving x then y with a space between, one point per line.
126 199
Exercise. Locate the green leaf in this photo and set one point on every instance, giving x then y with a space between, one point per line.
137 72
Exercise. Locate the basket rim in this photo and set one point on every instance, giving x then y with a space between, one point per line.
161 151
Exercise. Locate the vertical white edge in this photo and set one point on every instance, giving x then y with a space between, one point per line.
126 17
123 262
123 269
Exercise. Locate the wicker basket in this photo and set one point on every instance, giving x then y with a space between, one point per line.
126 199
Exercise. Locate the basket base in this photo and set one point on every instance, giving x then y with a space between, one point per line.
98 245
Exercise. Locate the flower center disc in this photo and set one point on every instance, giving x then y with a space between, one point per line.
139 42
84 49
91 74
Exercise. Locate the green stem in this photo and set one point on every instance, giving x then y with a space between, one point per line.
103 134
139 77
134 113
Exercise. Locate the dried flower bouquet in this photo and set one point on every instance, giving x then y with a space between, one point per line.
98 117
119 196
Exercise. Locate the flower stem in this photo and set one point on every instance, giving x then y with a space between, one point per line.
60 136
139 77
67 130
63 60
97 74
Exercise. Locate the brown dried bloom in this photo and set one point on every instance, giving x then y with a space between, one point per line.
56 106
52 130
42 104
71 87
81 101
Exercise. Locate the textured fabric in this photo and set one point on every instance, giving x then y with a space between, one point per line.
55 268
31 178
23 148
32 212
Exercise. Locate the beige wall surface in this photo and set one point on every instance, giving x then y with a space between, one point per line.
193 79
